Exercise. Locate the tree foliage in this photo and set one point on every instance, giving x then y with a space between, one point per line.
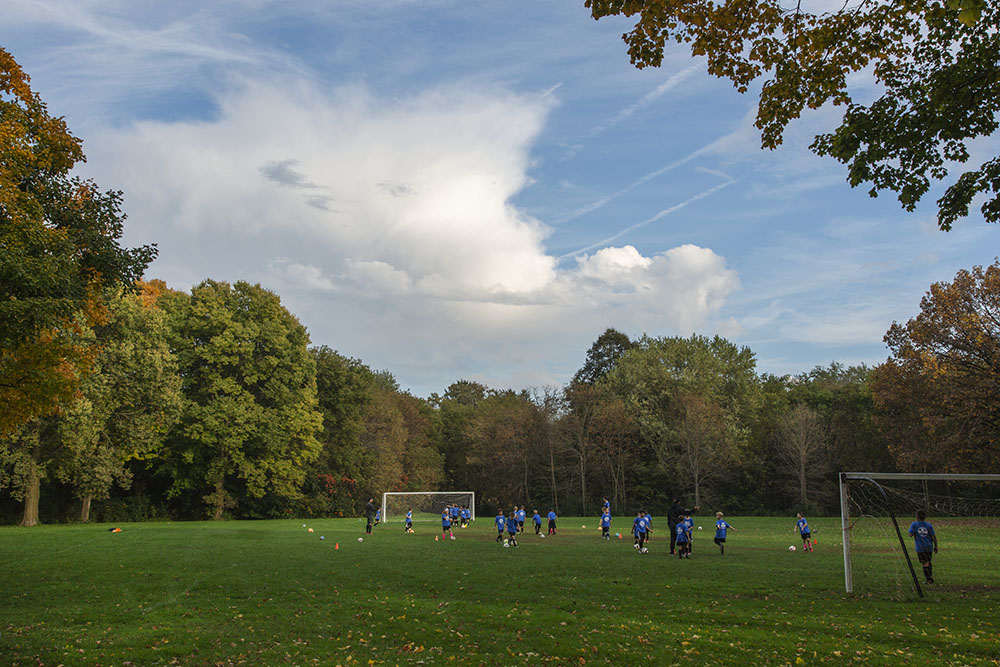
937 392
936 63
59 255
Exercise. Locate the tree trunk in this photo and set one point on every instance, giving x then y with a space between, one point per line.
802 482
85 509
220 500
552 473
583 481
33 488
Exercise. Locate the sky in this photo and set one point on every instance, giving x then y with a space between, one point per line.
466 190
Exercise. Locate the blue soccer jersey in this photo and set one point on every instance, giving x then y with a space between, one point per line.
537 519
636 524
445 519
802 525
682 533
720 529
409 517
923 534
605 521
552 516
500 522
511 524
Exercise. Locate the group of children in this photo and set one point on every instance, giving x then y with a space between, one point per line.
513 524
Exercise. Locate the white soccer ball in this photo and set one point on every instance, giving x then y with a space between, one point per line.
361 539
583 526
791 548
541 535
321 537
506 544
452 537
699 527
644 550
303 525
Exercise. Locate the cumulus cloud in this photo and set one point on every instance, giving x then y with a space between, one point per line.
388 227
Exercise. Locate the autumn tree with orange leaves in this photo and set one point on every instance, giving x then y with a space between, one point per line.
59 256
938 395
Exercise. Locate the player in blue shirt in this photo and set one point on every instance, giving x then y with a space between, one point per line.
605 521
538 522
552 522
409 521
521 514
689 525
446 524
803 527
639 531
500 522
466 516
378 516
607 505
721 526
512 528
924 543
682 535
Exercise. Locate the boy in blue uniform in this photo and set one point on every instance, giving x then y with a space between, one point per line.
521 514
721 526
606 523
512 528
466 516
446 524
538 522
500 522
924 543
689 526
682 536
409 521
639 529
803 527
552 522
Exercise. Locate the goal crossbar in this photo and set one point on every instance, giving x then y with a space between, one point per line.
469 498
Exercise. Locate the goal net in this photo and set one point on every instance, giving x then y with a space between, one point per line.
877 510
424 505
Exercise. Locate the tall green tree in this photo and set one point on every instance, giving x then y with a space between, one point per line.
249 418
127 403
934 61
602 356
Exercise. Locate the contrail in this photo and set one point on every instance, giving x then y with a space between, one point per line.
662 214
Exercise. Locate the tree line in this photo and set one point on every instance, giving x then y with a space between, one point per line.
122 399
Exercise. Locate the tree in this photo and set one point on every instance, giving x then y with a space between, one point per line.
128 402
59 255
935 62
694 398
249 419
602 356
801 447
937 394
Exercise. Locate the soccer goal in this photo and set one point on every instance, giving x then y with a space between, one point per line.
876 510
425 505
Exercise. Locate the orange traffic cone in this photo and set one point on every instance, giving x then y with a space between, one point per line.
435 538
336 547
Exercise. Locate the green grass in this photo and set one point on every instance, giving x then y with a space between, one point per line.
268 592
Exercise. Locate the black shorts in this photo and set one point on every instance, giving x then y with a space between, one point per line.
924 556
720 540
806 536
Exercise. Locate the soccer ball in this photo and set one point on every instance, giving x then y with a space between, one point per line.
583 526
644 550
361 539
452 537
791 548
321 537
506 543
303 525
699 527
541 535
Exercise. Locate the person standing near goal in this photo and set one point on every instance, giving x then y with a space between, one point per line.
924 543
370 514
803 527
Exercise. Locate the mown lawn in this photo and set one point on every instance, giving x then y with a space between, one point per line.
269 592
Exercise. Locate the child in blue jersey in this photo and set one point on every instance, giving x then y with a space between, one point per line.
803 527
409 521
446 524
639 529
689 525
605 521
512 528
607 505
538 522
924 543
500 522
378 516
721 526
466 516
521 514
456 512
552 522
683 535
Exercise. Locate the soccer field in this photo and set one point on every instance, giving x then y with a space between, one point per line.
269 592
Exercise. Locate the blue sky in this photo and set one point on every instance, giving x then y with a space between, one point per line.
476 190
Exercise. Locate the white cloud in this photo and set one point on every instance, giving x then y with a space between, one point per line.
388 228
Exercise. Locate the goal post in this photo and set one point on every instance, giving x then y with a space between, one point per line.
425 505
870 503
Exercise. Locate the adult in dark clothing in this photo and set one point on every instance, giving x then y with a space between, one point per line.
674 516
370 514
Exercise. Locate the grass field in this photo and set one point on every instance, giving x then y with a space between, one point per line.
269 592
